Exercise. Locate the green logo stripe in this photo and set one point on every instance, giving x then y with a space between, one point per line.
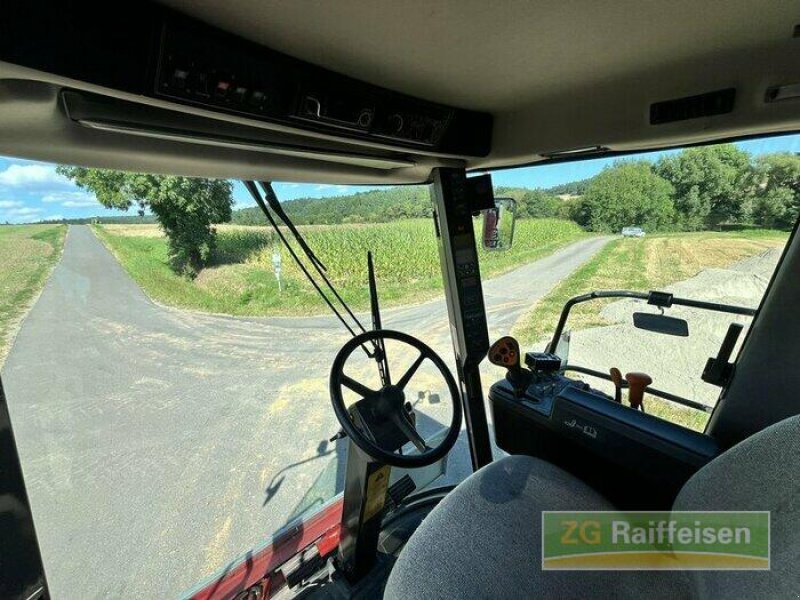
655 540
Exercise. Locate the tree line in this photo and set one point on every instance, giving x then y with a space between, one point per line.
404 202
696 188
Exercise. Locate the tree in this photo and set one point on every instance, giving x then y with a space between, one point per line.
712 184
626 193
186 207
538 204
777 201
579 211
775 209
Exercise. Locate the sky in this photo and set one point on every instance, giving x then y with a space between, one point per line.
33 191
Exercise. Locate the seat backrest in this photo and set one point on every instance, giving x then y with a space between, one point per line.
760 473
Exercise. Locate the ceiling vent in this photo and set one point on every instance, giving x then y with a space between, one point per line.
693 107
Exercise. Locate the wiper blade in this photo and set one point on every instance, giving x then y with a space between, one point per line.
275 205
380 348
319 267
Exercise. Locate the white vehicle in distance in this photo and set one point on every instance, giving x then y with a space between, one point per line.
632 232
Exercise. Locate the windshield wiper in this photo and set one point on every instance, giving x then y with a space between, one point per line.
272 199
275 205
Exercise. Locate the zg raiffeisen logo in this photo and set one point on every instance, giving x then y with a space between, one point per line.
712 540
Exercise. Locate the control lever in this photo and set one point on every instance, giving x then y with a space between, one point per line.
718 370
616 377
637 382
505 353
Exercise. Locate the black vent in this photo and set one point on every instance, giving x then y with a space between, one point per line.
693 107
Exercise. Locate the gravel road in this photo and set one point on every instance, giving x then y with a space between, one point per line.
159 444
741 284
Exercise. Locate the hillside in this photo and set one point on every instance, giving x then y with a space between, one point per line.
374 206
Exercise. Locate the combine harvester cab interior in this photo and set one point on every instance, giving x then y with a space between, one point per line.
446 94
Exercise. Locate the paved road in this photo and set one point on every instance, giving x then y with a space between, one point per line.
158 444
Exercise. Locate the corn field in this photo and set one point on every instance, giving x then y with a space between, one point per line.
241 280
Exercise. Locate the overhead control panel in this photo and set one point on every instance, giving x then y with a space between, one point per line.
162 54
205 67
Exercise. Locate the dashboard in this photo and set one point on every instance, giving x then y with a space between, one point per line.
635 459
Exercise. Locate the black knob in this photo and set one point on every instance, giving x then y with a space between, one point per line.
365 118
396 123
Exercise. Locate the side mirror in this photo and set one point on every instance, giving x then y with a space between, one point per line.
498 224
661 324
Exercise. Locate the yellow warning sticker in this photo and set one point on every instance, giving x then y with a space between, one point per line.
377 484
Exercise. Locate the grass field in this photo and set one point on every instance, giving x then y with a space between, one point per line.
241 280
642 264
27 255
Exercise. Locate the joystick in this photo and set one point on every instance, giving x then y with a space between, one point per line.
505 353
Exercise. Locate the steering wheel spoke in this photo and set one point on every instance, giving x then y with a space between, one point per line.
400 418
403 381
358 388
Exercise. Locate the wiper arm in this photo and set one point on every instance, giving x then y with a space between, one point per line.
274 204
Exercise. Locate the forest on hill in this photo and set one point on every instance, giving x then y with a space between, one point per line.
704 188
400 202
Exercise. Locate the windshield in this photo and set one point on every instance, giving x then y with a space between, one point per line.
167 378
172 410
168 381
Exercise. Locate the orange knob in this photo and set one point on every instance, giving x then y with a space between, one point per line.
637 382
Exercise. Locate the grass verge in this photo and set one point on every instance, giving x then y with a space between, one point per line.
642 264
27 256
241 280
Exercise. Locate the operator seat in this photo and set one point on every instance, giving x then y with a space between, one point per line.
484 539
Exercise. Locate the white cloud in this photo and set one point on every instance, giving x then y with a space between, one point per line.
66 196
10 203
26 175
24 211
326 187
80 203
19 214
53 218
71 199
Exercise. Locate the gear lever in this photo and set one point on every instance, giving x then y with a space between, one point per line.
616 377
637 382
505 353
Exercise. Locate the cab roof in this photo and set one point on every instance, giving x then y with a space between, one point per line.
554 77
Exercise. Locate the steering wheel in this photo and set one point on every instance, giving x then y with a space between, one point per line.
386 406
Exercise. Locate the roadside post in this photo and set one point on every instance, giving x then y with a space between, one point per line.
276 267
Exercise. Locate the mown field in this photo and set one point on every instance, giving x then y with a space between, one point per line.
642 264
241 280
27 256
